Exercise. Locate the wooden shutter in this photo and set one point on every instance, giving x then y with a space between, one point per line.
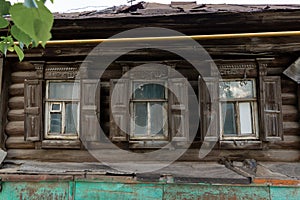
33 109
209 108
271 108
178 109
90 107
119 105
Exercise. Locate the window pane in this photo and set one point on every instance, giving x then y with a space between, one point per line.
141 118
157 118
148 91
228 116
236 89
56 107
245 118
71 117
55 123
63 90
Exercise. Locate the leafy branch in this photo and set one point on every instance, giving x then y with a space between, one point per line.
29 25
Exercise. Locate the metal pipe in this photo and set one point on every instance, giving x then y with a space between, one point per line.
195 37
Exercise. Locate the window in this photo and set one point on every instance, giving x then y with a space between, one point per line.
238 109
149 110
62 110
245 105
156 114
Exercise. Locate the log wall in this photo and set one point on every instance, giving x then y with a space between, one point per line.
286 150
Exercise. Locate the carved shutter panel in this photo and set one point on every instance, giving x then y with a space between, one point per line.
271 111
178 107
209 108
33 109
90 105
119 105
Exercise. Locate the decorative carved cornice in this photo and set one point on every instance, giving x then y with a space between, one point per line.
235 69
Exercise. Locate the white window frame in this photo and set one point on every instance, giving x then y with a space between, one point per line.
48 111
254 113
165 135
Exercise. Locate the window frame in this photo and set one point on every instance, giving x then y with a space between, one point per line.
48 102
236 101
165 136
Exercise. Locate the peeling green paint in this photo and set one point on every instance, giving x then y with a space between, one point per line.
93 189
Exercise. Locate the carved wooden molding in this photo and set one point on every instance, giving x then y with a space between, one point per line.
235 69
149 75
61 71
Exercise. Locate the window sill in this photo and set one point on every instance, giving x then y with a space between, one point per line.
246 144
61 144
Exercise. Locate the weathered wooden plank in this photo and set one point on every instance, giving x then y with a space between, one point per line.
15 128
61 144
19 77
241 145
18 142
16 103
16 115
4 83
16 89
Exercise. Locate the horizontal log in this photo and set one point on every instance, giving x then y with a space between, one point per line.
259 155
289 142
22 66
288 86
16 89
290 113
19 77
16 103
51 155
19 143
15 128
289 98
275 71
291 128
189 155
16 115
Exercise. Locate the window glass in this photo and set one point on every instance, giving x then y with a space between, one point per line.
71 117
245 118
148 91
55 123
228 116
141 118
157 118
63 90
236 89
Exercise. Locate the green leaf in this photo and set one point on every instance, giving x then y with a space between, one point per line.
30 4
3 22
19 52
3 48
20 35
4 7
38 21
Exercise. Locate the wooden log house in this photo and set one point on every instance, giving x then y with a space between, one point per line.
263 126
